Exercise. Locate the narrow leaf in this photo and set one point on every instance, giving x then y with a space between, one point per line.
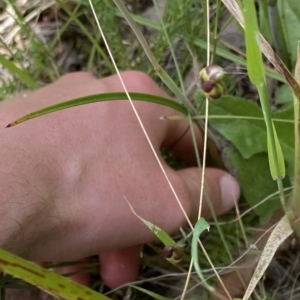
281 232
49 281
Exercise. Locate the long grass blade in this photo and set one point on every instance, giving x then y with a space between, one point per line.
100 98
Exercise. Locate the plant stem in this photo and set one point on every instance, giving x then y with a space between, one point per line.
296 190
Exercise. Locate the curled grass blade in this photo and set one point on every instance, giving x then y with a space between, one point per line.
200 226
100 98
49 281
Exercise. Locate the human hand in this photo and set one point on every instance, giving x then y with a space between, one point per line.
66 175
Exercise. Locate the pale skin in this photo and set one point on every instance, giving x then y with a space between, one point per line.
64 176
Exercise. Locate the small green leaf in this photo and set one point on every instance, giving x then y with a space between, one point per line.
160 234
272 157
173 252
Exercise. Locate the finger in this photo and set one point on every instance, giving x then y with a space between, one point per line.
79 271
119 267
222 190
179 140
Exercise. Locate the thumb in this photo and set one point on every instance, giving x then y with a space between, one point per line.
221 190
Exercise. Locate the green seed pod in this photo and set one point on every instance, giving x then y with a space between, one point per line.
173 254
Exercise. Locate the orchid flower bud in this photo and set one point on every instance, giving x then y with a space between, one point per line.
211 78
173 254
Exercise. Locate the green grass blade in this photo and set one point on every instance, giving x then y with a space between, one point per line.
101 98
151 294
49 281
14 70
200 226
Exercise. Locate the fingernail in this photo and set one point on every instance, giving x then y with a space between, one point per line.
230 191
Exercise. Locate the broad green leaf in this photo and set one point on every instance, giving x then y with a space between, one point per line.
254 178
281 170
250 136
100 98
151 294
284 94
279 234
200 226
49 281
